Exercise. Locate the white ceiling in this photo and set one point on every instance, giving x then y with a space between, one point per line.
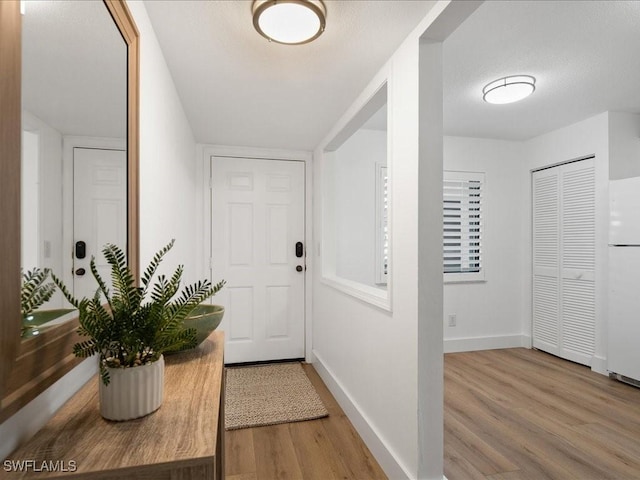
74 71
585 56
239 89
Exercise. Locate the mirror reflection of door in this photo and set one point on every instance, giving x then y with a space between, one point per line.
74 92
99 213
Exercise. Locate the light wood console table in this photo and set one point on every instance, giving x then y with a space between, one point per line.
183 440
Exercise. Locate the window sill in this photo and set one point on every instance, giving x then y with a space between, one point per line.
463 278
366 293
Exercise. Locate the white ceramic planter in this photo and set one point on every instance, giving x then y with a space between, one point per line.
132 392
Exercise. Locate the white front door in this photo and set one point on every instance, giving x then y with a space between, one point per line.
257 218
99 212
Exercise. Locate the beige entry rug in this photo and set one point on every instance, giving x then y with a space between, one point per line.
270 394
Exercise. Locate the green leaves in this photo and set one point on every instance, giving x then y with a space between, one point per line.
34 291
133 330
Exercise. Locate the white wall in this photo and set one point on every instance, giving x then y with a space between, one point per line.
488 313
386 367
497 313
167 205
368 356
50 204
624 145
167 159
355 201
588 137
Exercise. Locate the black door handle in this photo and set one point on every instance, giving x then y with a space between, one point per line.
299 268
80 271
299 249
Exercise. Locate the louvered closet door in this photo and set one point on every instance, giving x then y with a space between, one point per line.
546 260
564 261
578 261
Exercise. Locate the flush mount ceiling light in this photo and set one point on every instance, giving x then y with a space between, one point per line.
509 89
291 22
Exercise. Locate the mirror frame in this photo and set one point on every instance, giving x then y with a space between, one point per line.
29 367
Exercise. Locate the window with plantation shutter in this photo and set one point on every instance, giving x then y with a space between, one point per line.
463 226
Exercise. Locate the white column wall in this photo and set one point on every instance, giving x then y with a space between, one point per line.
368 356
385 368
430 291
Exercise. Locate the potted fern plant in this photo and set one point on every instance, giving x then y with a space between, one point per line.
133 329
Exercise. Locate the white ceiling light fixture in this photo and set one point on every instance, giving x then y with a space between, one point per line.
509 89
291 22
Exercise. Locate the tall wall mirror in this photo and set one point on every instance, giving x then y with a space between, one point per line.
78 164
356 208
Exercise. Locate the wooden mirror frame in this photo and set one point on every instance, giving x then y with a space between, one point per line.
29 367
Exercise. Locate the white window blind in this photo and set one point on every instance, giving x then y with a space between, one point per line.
463 226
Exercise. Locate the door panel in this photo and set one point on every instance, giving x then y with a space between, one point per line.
99 211
578 261
257 218
546 271
546 334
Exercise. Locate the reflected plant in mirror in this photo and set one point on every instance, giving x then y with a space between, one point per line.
35 292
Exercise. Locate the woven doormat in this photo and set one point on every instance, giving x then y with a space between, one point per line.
268 395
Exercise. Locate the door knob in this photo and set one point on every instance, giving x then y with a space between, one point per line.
80 271
299 268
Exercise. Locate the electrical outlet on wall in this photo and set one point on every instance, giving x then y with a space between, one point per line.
452 320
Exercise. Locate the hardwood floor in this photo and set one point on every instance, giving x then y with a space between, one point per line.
521 414
324 449
513 414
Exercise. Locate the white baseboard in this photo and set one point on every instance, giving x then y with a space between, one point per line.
599 365
385 457
471 344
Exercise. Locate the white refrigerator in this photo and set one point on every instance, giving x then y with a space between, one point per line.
624 279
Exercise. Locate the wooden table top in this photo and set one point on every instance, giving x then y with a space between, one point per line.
182 432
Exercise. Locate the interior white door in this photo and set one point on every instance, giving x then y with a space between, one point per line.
257 217
99 212
546 260
564 260
578 247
